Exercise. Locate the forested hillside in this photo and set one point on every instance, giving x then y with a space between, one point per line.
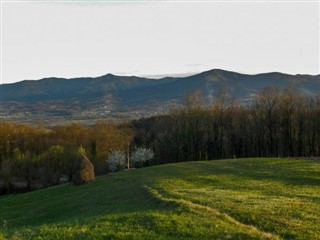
55 100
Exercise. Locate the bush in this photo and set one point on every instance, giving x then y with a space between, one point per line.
116 161
141 156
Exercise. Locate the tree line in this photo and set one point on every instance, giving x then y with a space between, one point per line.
276 123
36 155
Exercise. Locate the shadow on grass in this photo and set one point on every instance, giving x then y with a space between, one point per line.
285 171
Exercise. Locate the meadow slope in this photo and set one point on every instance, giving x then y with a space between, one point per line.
225 199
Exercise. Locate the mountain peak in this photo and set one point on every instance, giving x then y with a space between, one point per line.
218 72
108 75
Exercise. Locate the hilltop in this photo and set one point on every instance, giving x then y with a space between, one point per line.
225 199
112 96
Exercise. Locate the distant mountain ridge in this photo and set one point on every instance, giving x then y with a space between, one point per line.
110 95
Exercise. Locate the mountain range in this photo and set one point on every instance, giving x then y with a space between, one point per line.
112 96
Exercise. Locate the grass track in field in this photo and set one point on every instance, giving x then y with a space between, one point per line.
225 199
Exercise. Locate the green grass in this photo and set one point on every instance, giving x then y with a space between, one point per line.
226 199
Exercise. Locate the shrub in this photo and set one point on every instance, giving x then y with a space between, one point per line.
141 156
116 161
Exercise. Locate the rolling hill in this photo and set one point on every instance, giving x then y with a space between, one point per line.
112 96
225 199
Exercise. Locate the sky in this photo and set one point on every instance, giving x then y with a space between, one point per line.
156 38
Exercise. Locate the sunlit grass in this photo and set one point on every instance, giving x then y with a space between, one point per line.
226 199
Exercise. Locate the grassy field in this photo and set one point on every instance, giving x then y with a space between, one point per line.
226 199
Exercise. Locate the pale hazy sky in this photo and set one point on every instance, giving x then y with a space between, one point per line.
72 39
